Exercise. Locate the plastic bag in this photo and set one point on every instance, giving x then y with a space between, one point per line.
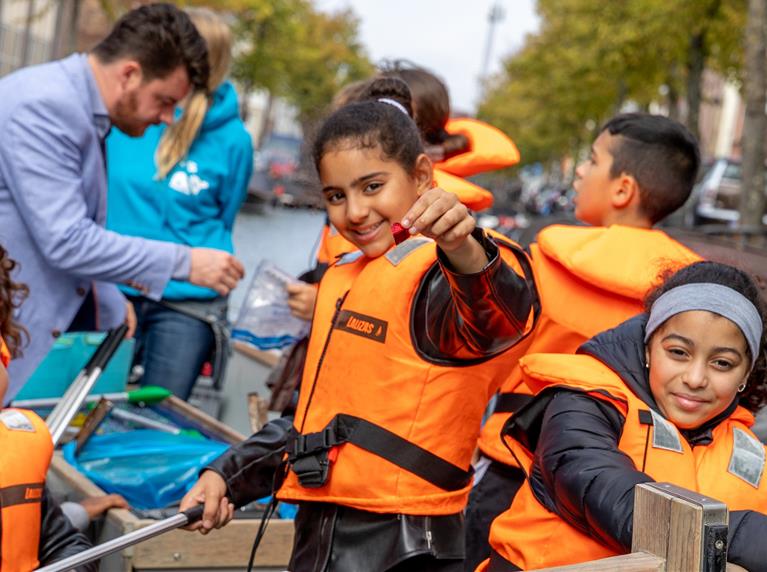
265 321
151 469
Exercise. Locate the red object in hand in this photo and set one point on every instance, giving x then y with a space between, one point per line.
399 232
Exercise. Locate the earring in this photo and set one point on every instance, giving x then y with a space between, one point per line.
741 387
647 364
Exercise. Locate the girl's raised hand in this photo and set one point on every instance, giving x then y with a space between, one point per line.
441 216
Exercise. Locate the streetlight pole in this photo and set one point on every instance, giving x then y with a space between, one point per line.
495 15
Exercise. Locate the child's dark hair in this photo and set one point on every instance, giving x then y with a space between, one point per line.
430 95
755 394
431 103
374 123
661 154
12 294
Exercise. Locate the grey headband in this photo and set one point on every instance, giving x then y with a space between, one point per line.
713 298
395 103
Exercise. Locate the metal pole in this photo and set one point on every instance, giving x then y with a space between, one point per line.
43 402
495 15
76 394
117 544
146 422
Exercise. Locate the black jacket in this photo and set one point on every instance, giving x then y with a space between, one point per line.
579 472
455 317
58 538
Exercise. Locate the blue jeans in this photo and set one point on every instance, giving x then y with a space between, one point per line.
170 346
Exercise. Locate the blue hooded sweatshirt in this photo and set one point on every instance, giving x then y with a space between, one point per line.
196 203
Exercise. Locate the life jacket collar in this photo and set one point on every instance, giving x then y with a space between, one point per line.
598 255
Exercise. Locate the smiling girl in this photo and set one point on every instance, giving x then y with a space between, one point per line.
666 396
408 343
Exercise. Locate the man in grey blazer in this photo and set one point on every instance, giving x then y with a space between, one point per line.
53 121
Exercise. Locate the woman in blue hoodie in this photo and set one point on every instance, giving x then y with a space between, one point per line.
184 183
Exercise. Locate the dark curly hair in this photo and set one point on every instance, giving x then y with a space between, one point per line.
12 294
160 37
755 394
372 123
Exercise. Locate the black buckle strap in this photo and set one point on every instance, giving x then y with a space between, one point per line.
511 402
308 454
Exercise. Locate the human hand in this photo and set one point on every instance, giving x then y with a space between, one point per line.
210 489
301 298
215 269
441 216
130 319
96 506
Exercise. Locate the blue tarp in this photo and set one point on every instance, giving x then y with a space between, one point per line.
151 469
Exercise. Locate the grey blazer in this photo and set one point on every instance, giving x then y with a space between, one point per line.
53 205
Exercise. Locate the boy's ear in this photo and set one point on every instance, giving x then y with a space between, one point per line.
625 193
423 173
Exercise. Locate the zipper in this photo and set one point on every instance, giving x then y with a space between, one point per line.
339 303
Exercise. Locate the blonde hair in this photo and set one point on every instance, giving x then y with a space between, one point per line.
178 137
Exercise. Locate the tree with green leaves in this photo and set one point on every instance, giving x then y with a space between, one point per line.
590 58
300 54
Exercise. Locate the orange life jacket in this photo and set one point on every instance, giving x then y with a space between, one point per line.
589 279
361 364
5 353
332 244
489 148
729 469
473 196
25 453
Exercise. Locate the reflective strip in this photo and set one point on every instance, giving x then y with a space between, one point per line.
349 257
665 434
21 494
747 460
404 249
15 420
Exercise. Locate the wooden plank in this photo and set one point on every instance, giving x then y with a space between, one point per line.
258 411
685 542
210 423
269 358
670 522
634 562
228 547
652 511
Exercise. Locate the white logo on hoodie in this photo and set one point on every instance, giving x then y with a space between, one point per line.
186 180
